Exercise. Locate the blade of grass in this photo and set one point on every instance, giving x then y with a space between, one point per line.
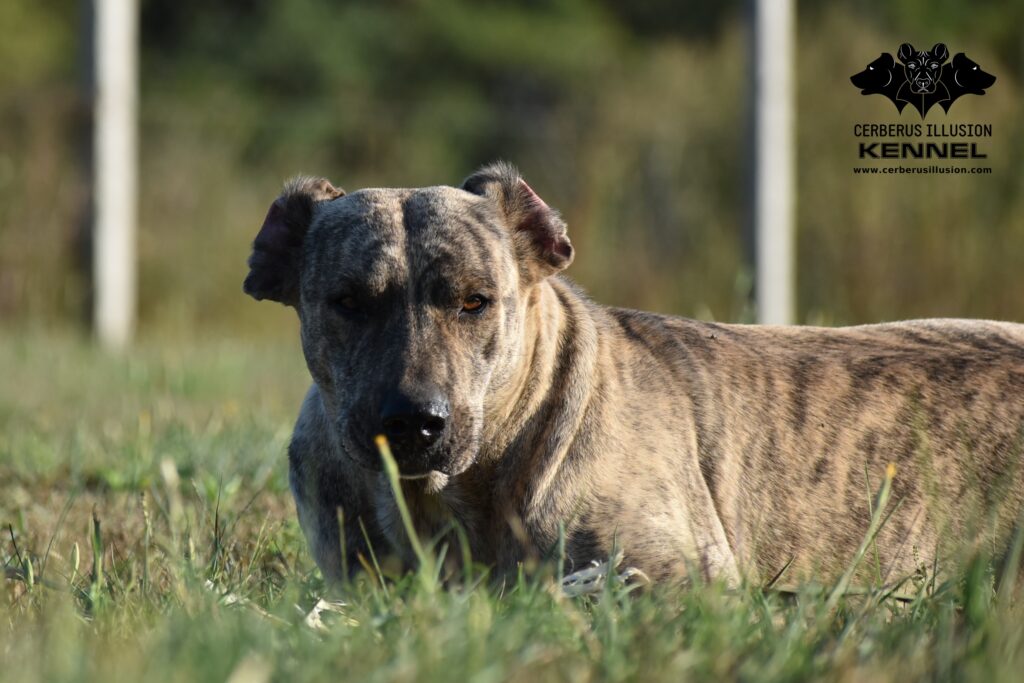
343 542
147 537
426 563
467 557
779 574
871 513
1008 581
877 520
96 585
375 570
60 524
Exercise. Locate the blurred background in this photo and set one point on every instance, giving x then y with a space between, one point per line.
631 118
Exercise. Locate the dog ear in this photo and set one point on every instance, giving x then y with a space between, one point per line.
906 51
940 52
277 250
888 59
539 232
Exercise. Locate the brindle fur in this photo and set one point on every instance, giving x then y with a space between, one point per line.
727 450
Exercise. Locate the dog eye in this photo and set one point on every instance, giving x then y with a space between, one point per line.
346 305
474 305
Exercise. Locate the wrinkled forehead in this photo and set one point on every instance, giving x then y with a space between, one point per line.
383 236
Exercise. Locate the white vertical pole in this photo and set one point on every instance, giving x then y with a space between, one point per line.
114 172
774 96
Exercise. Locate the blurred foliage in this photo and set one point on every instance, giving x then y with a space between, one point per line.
629 117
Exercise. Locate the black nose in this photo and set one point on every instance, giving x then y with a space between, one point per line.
414 422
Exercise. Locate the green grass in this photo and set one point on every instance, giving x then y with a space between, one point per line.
201 572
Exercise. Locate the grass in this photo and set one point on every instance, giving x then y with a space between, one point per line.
148 534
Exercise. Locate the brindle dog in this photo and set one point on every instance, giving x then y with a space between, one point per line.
517 407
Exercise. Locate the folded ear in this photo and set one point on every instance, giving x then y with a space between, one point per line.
277 250
539 232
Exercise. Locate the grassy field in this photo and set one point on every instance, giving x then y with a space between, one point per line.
148 534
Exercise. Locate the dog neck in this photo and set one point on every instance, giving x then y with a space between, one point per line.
533 420
526 380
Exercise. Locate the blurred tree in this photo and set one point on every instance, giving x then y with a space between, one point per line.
629 117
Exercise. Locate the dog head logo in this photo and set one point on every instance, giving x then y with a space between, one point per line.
923 68
882 77
963 76
923 78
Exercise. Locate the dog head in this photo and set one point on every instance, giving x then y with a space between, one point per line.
880 76
923 68
966 77
410 302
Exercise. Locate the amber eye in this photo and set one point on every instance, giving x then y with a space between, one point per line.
474 304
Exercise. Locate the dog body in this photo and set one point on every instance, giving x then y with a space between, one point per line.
522 411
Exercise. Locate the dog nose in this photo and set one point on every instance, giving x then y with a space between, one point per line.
414 422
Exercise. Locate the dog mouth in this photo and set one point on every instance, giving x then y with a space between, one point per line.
448 461
448 458
419 464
